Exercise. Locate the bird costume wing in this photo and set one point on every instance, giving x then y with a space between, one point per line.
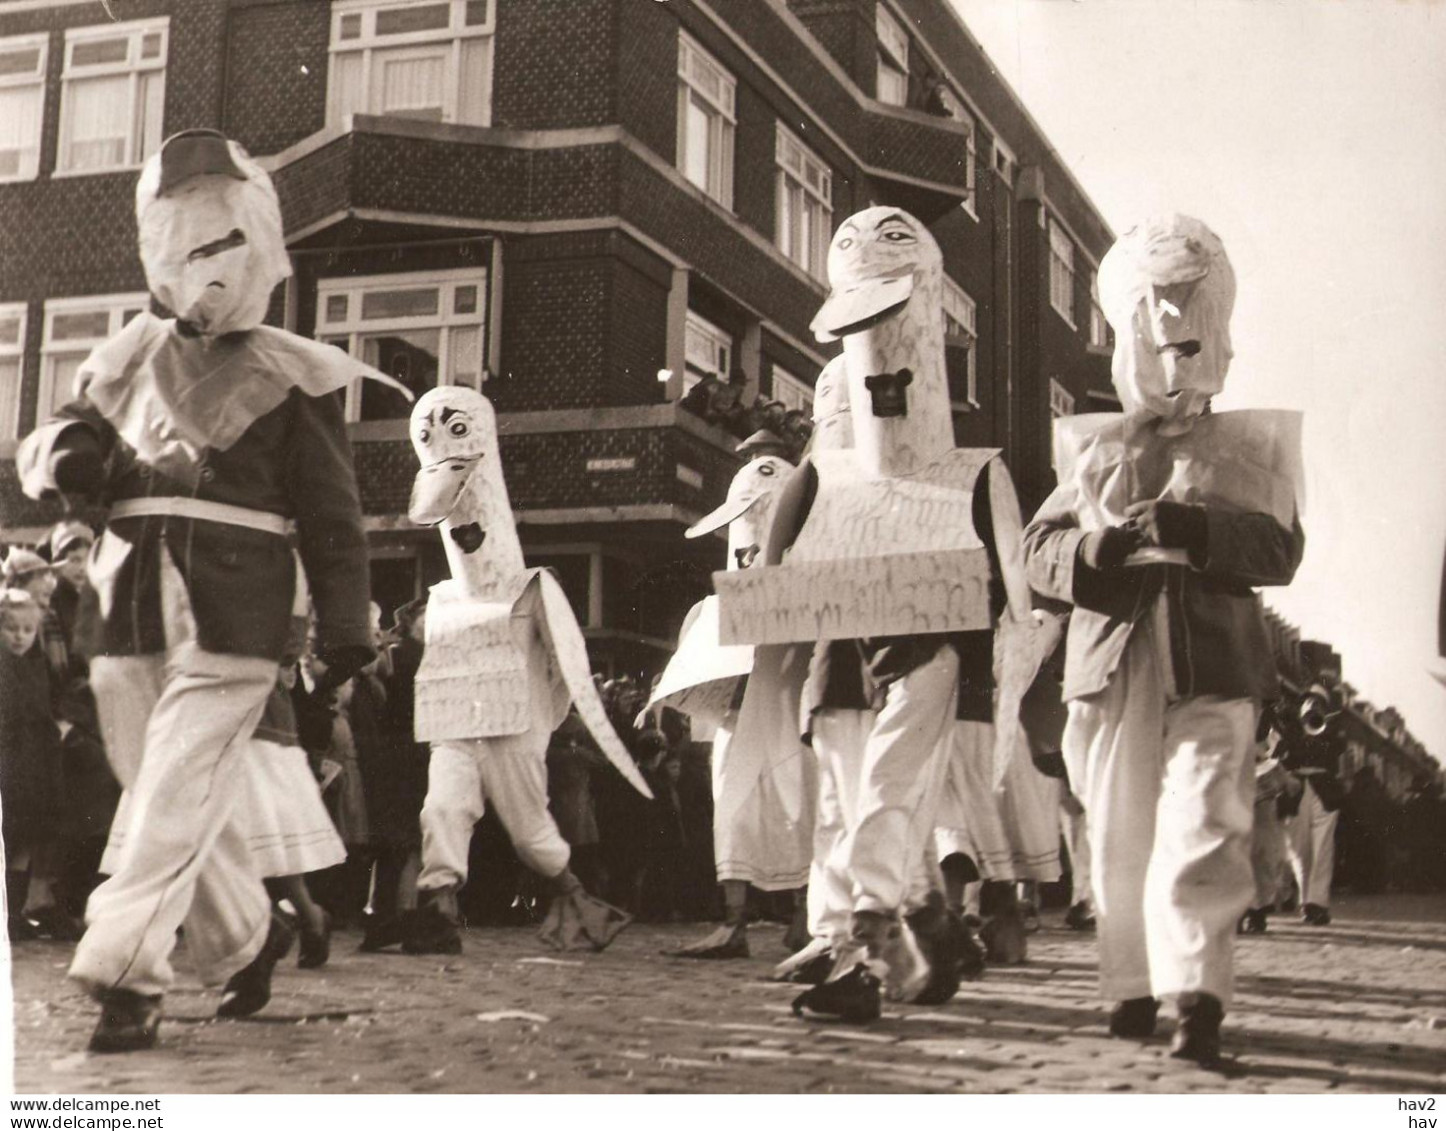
569 654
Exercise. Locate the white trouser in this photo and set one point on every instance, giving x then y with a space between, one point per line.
1312 848
881 773
1168 788
462 777
176 727
1267 853
1076 838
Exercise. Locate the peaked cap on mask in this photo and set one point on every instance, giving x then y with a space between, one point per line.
211 237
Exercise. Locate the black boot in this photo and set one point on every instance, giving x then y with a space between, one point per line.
1197 1037
249 989
436 928
950 948
855 998
129 1022
1253 922
1134 1018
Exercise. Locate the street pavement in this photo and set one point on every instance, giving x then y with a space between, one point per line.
1359 1006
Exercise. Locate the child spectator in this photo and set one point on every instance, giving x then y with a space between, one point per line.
30 785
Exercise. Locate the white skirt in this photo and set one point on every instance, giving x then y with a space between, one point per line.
1010 835
279 808
281 812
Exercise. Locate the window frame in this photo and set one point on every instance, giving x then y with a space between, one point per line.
893 55
1099 326
695 323
722 114
787 147
353 327
1061 272
964 313
116 307
1061 403
134 66
28 170
367 43
10 398
792 392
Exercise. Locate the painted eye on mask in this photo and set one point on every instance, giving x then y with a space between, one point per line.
458 428
424 436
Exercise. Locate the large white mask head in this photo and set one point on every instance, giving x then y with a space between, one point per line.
1167 288
833 425
454 433
886 291
210 232
747 510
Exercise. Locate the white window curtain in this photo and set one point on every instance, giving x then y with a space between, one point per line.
113 96
22 105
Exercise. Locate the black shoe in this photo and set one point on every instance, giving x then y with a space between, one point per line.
856 998
129 1022
381 933
22 929
814 972
952 951
53 923
1315 915
1134 1018
432 931
315 948
1197 1037
249 989
1079 917
1254 922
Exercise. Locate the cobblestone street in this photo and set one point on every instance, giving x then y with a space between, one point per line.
1359 1006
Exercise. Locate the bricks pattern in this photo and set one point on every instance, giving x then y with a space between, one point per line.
276 70
647 75
554 336
552 65
637 336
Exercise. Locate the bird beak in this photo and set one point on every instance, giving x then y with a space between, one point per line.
436 490
856 306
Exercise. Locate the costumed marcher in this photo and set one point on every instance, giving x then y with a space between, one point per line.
1166 518
763 796
503 659
1001 836
1275 788
207 434
899 554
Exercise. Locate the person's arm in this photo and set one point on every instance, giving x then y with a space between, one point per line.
327 508
1063 562
67 454
1238 549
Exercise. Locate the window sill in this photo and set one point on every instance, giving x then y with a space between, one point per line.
1099 350
67 174
1063 317
969 208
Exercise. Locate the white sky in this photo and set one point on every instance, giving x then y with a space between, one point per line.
1312 138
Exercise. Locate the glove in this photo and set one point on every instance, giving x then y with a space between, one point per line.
342 662
1107 549
76 465
1173 526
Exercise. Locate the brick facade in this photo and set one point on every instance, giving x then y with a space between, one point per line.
573 195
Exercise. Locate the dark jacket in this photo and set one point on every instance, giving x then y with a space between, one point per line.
30 761
294 461
1218 642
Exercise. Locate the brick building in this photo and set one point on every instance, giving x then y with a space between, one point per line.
609 213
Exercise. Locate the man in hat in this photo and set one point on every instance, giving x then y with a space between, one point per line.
208 435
